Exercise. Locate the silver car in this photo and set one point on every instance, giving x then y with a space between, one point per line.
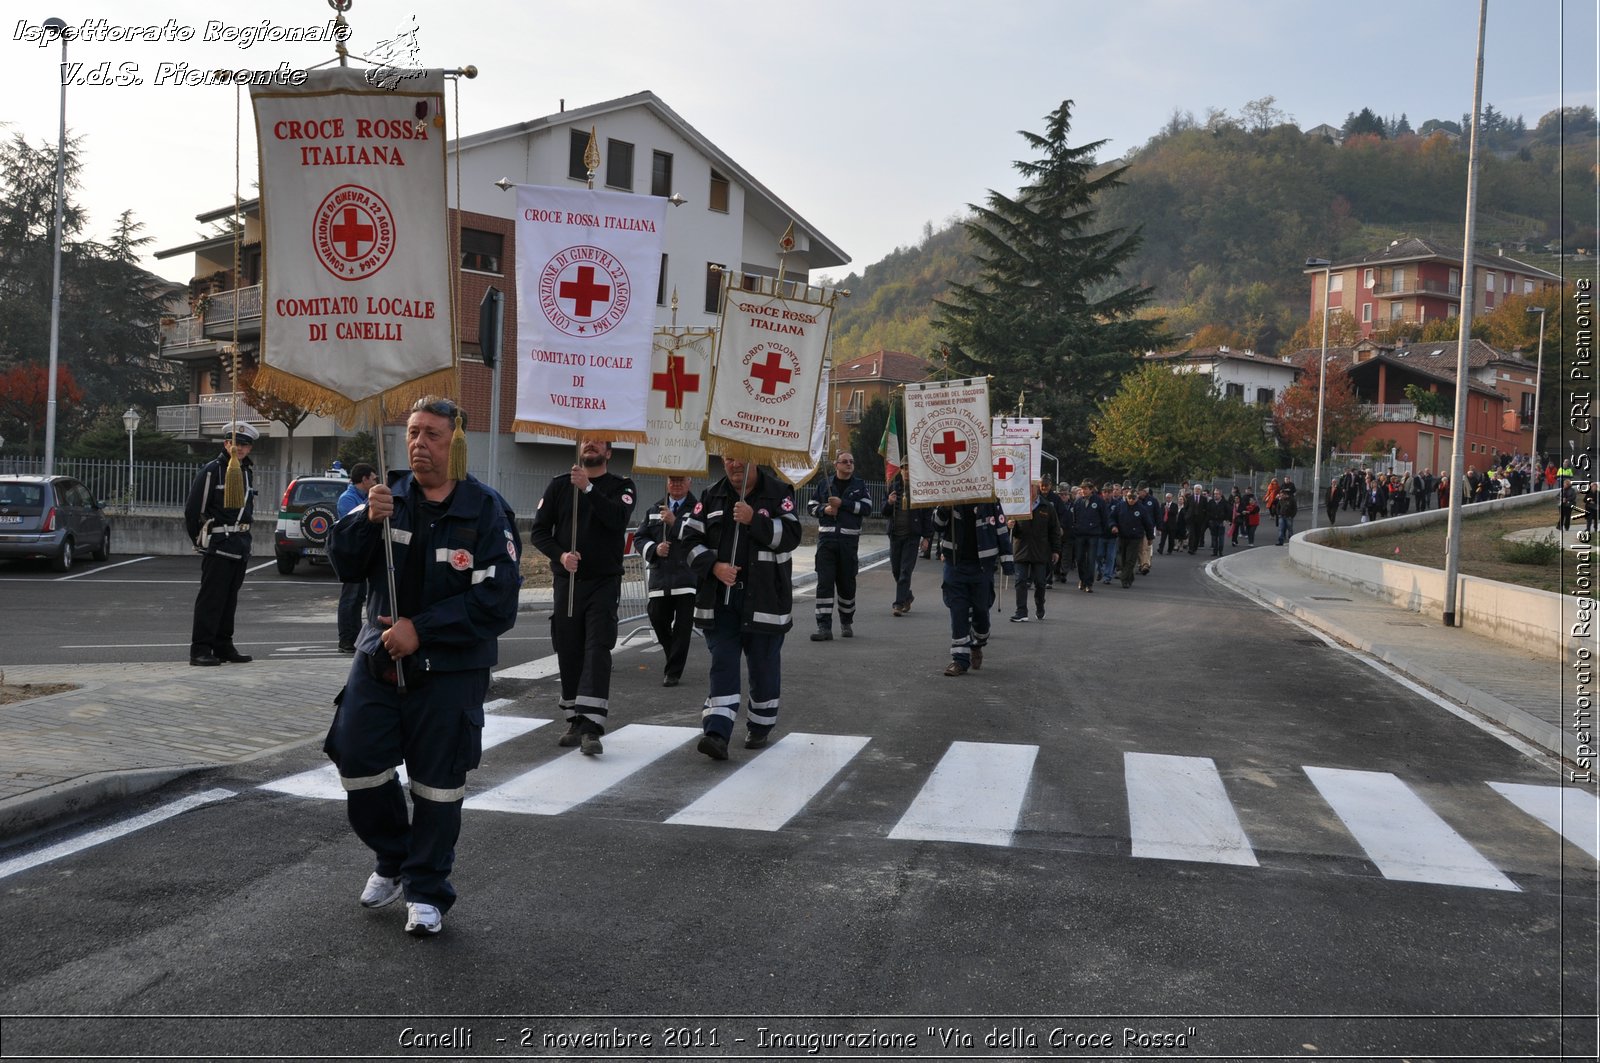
51 517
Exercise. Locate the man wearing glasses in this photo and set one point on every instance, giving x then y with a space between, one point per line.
839 503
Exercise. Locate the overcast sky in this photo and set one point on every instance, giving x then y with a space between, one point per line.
869 117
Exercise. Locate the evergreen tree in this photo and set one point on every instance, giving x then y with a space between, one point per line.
1048 315
1364 122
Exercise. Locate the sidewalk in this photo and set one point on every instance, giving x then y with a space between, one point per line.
130 728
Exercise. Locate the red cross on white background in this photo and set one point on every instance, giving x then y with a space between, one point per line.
352 233
950 448
675 382
584 292
770 373
1003 467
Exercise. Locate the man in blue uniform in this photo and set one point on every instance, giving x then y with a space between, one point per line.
908 530
739 538
352 594
839 503
972 539
588 571
672 581
221 535
1089 526
456 579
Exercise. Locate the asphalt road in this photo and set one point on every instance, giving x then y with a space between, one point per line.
644 894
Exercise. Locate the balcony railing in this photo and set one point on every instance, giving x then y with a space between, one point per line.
184 332
850 415
1417 287
204 418
1403 411
219 310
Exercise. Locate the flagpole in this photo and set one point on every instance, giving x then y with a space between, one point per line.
388 555
591 164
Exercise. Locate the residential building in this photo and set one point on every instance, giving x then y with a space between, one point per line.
857 383
724 217
1499 400
1257 379
1418 280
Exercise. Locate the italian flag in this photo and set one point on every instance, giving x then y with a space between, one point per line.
889 445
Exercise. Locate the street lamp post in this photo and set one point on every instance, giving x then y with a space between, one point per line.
57 26
130 420
1322 384
1538 383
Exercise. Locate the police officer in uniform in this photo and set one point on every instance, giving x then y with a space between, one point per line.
672 581
839 503
221 535
456 578
739 538
590 571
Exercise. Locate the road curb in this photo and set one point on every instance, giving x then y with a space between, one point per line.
51 806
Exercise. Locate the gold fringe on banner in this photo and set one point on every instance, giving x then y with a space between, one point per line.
375 409
769 456
562 431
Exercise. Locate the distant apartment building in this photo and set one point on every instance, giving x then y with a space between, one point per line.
1417 280
857 383
1256 379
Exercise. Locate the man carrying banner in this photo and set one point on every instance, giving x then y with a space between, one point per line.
973 538
672 581
588 574
1037 546
839 502
908 530
739 538
455 558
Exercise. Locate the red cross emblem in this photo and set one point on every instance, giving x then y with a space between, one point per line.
675 382
771 373
1003 467
353 232
585 292
950 448
460 560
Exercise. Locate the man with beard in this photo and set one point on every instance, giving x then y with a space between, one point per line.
456 578
588 573
739 539
672 581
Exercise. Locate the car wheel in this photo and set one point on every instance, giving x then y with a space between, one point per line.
104 553
286 563
63 559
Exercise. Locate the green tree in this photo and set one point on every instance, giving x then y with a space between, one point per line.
1364 123
1049 314
1166 425
108 439
864 439
357 448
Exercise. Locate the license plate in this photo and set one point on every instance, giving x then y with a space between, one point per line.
10 520
316 551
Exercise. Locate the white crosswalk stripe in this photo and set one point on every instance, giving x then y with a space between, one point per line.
1405 838
1179 810
1572 813
772 788
568 781
974 795
1177 807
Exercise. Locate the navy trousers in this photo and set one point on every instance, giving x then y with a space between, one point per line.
762 652
969 595
214 607
836 575
583 645
436 730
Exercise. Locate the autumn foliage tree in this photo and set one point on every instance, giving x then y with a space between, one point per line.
1295 413
25 400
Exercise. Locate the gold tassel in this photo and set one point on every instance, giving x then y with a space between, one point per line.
233 484
458 452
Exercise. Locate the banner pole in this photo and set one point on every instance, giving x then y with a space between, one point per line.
388 551
572 577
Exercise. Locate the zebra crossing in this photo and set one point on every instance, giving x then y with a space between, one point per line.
1178 808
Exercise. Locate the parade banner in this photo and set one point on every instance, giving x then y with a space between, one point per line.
771 349
588 263
795 475
1011 463
680 384
357 310
947 443
1029 430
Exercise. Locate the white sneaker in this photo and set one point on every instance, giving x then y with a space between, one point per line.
423 919
381 891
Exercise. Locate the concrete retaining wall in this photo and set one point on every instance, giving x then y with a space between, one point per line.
1541 622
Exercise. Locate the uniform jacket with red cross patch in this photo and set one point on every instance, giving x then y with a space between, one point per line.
470 573
764 552
603 515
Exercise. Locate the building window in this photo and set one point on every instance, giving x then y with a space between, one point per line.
1397 311
1234 391
1336 282
661 285
1263 396
619 165
1455 282
480 251
714 287
1527 406
1488 283
1366 278
1366 313
1453 311
578 144
719 195
661 174
1527 287
1399 280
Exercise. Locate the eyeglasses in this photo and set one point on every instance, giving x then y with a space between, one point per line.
844 461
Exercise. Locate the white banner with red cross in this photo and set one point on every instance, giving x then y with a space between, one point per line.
588 263
771 348
1010 464
680 384
947 458
357 277
1029 430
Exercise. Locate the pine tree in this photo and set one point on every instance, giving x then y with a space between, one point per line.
1048 315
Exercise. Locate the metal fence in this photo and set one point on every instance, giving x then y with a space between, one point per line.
147 486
